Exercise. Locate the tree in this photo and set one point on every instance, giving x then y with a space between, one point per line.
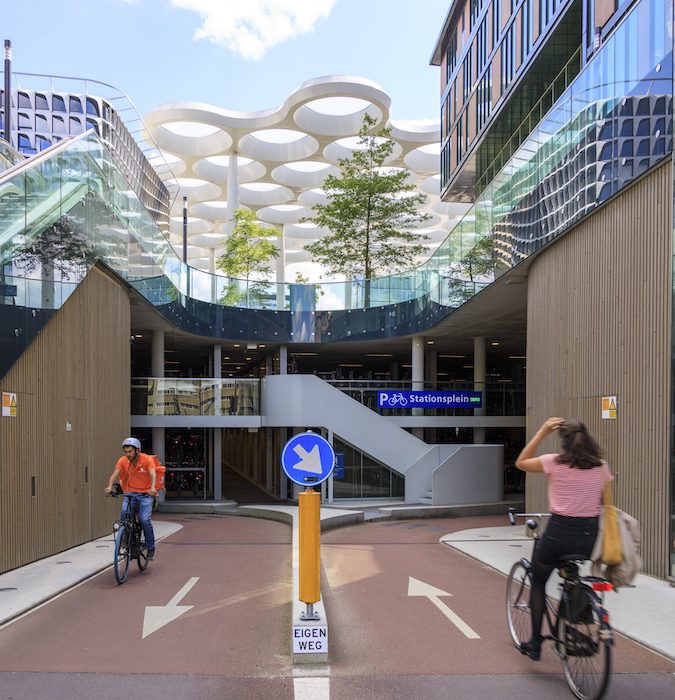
61 247
248 251
369 212
476 265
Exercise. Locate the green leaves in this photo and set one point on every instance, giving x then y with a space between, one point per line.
248 251
369 212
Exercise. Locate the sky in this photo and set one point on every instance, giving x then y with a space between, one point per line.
236 54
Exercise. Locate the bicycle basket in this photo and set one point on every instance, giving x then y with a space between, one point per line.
580 605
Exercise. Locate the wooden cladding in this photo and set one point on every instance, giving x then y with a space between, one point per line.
599 324
72 386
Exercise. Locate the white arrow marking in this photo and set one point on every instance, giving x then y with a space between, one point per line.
419 588
309 461
156 616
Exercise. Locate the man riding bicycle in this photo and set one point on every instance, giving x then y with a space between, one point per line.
136 473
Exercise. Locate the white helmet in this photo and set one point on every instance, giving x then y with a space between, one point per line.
132 442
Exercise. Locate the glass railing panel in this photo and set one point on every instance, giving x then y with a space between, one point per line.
195 397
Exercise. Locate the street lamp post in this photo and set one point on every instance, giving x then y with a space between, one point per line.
8 92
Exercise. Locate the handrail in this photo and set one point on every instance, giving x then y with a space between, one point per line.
156 152
41 157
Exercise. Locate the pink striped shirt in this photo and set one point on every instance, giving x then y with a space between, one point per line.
576 493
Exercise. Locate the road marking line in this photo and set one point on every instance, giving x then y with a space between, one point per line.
420 589
157 616
311 688
183 591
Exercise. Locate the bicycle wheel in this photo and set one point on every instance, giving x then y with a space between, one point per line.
518 613
122 554
142 558
586 657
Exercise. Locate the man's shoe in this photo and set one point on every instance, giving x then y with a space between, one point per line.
151 554
531 650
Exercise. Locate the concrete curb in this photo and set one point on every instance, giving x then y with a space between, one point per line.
458 511
197 507
48 582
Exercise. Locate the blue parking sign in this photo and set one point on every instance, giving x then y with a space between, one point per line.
308 459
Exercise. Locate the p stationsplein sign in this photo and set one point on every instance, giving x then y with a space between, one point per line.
429 399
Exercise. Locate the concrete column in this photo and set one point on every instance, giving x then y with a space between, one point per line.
269 458
232 190
283 359
479 384
212 270
281 271
216 452
157 370
418 377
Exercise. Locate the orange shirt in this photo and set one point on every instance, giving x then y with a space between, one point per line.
136 477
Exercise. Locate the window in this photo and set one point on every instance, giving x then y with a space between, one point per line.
58 103
24 101
475 6
496 21
42 142
92 107
481 46
460 141
41 123
91 124
25 122
41 101
451 57
508 57
484 99
468 79
525 30
58 125
75 126
75 105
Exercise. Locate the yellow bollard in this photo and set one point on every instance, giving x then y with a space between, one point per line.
309 527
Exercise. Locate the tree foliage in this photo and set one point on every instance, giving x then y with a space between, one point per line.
369 212
247 256
60 247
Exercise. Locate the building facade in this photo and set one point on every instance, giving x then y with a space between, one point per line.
557 127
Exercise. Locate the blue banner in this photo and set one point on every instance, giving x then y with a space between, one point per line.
429 399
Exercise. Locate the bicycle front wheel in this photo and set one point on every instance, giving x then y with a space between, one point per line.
122 554
586 655
518 613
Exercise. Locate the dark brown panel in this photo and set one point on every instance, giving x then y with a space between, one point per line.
599 324
76 371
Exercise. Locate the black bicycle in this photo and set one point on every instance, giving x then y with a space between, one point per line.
578 625
129 539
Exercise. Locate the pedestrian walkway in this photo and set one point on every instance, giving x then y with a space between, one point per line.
25 588
645 613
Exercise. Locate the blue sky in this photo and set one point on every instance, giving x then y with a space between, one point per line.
237 54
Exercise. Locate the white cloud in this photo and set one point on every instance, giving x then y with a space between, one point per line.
251 27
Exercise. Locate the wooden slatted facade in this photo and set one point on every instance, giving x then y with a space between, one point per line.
77 370
599 324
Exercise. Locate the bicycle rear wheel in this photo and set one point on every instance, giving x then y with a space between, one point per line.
586 656
518 613
122 554
142 558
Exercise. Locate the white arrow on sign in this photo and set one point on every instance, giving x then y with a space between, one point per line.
156 616
309 461
424 590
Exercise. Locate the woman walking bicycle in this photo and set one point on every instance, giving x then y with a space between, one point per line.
576 479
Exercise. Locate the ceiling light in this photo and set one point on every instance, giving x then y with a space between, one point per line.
247 358
236 345
494 342
430 342
345 364
517 357
379 354
454 357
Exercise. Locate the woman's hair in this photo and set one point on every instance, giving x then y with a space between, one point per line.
579 449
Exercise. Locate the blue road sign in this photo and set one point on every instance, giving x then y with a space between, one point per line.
429 399
308 459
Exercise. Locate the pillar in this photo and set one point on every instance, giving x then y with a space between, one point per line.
479 384
283 359
418 377
157 370
281 271
232 190
217 451
212 271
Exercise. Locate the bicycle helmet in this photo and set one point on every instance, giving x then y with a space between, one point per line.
132 442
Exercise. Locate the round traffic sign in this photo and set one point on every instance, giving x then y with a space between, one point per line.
308 459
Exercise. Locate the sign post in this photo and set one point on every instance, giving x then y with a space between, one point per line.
308 459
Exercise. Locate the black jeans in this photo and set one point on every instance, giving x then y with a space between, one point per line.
564 536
